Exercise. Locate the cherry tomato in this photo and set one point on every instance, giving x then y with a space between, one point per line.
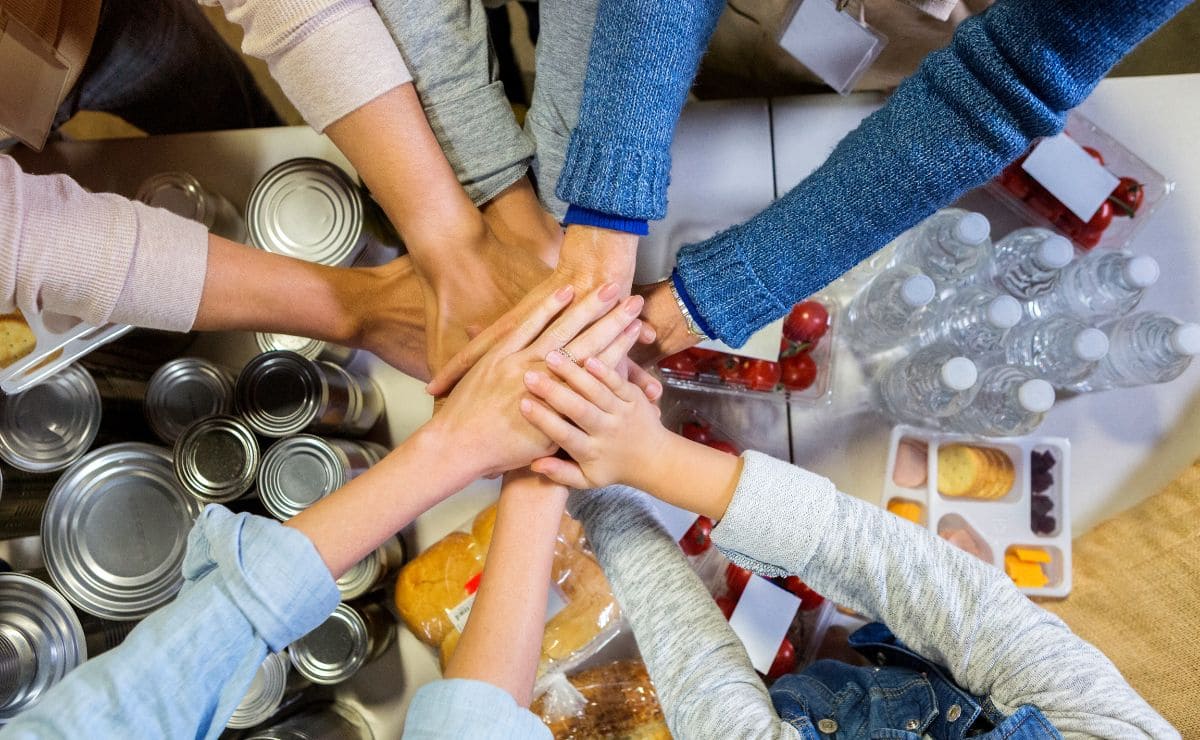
705 358
1096 155
697 539
759 375
726 604
1087 239
679 364
729 368
1128 197
809 599
1102 218
798 371
723 446
1017 181
785 660
1046 204
736 578
807 322
696 431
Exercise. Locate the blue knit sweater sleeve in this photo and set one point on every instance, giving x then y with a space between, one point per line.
1008 76
644 56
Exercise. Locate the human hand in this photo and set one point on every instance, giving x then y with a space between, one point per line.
670 328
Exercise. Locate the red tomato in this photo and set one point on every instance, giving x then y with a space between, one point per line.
736 578
1017 181
696 431
705 358
759 375
807 322
1102 218
726 604
1087 239
697 539
1128 197
809 599
1046 204
729 368
723 446
1096 155
785 660
679 364
798 371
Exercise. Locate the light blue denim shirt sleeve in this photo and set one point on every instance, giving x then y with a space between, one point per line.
251 585
457 708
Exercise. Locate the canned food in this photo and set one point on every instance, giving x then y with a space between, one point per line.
312 349
373 571
138 353
41 640
115 531
217 459
181 194
52 424
22 499
352 637
309 209
183 391
281 393
299 471
265 694
319 722
123 406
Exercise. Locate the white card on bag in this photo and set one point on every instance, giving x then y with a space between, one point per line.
831 43
1070 174
761 620
762 344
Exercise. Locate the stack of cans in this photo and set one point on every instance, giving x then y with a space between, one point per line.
338 721
184 391
299 471
353 636
282 393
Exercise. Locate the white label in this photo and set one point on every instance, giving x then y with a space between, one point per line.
459 614
674 520
1070 174
834 45
762 344
761 620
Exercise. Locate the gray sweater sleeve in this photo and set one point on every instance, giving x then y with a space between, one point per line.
941 602
704 679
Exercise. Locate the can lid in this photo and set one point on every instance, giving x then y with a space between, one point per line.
41 640
309 209
917 290
184 390
299 471
52 424
972 228
1036 396
362 575
304 346
335 650
216 459
1004 312
1090 344
115 531
265 693
1142 271
959 373
279 393
178 192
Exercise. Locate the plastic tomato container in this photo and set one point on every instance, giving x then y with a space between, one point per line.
1033 203
802 370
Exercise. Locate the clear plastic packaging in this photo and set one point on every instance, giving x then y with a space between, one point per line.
435 591
613 700
38 345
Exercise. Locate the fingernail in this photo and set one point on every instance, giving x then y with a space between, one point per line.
526 405
633 305
635 327
655 389
554 359
564 293
609 291
531 378
594 364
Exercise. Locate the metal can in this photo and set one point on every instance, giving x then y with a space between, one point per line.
183 391
353 636
22 500
139 353
312 349
281 393
265 694
52 424
41 640
182 194
123 406
319 722
217 459
115 531
373 571
299 471
309 209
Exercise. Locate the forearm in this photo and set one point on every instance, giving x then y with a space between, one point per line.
502 642
939 601
686 474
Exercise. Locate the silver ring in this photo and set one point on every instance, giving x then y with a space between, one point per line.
567 354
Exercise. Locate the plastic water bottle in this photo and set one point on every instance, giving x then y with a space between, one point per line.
1026 263
975 320
1010 402
949 246
885 312
1061 349
929 385
1145 348
1102 284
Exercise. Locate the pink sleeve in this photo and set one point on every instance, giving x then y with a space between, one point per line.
96 256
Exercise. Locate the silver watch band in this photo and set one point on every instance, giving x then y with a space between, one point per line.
692 327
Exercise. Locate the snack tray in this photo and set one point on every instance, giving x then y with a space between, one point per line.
1004 522
55 349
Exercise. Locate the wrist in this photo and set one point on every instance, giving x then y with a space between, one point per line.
433 443
645 470
592 255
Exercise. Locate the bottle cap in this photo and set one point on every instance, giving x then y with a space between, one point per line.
1055 251
959 373
1036 396
972 228
1141 271
1004 312
1186 339
1090 345
917 291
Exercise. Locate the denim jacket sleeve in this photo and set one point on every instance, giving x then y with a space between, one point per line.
251 585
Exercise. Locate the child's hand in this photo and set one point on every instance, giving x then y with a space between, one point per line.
611 429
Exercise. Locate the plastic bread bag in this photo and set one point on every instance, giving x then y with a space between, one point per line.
435 592
612 700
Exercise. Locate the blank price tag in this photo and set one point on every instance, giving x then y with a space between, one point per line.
761 620
762 344
1070 174
834 45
